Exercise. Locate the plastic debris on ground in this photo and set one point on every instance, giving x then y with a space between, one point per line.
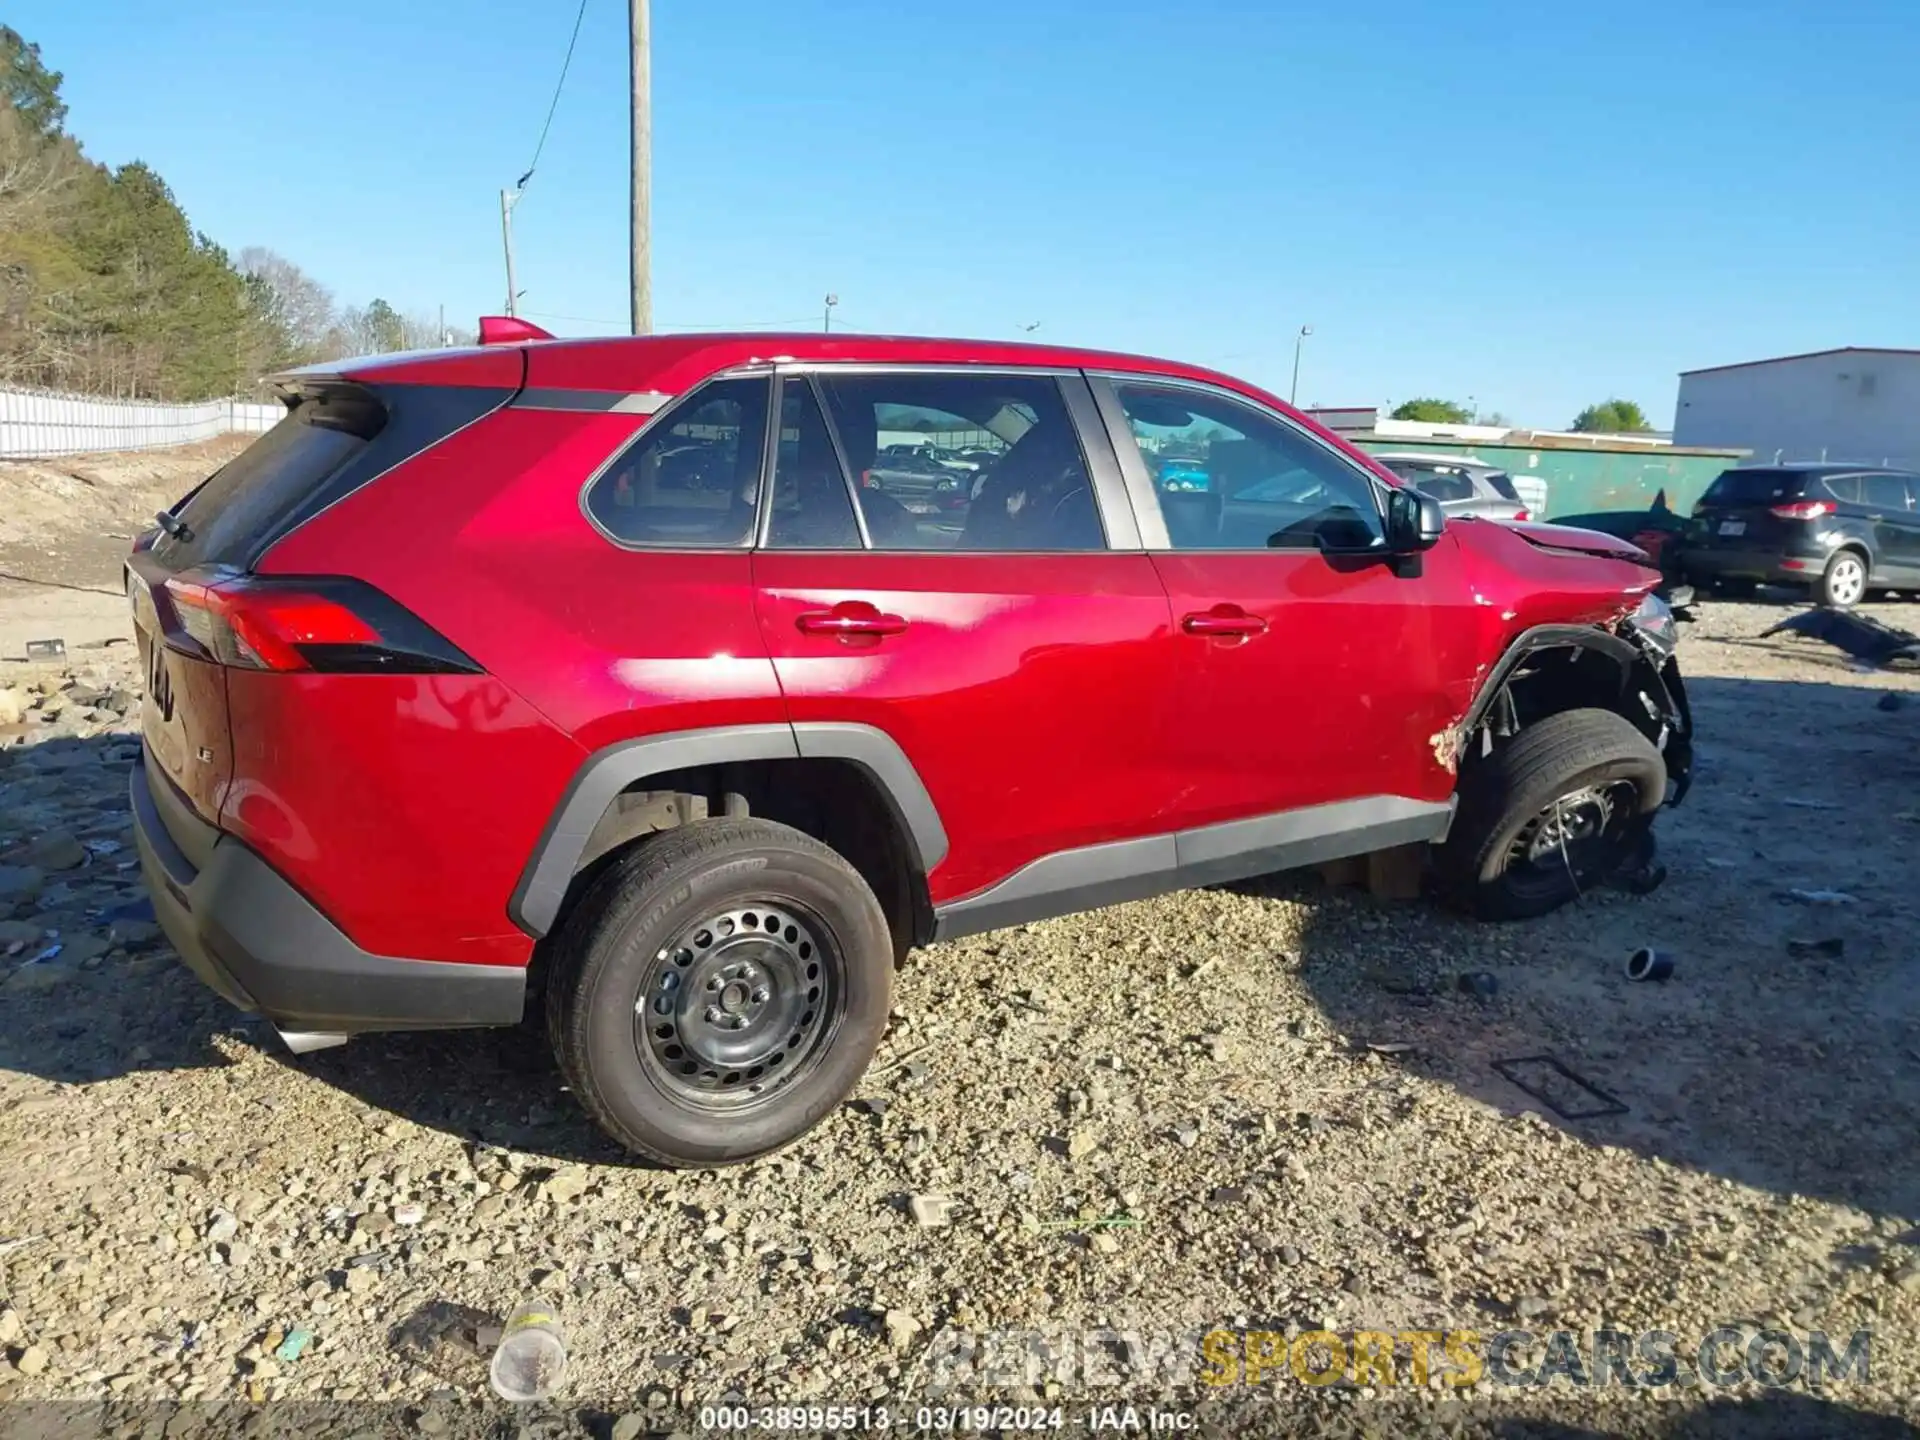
1820 897
291 1348
1860 636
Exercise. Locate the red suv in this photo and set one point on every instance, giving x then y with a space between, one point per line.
616 680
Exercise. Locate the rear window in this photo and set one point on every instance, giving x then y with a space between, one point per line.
333 440
240 503
1754 487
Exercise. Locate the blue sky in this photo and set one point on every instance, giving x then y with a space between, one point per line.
1536 205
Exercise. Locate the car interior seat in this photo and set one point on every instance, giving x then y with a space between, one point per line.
1038 497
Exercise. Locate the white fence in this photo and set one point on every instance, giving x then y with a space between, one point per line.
39 423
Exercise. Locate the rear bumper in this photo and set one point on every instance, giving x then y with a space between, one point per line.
262 946
1774 566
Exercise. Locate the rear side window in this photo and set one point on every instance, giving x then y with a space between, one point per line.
1843 487
692 478
334 439
1754 487
1502 484
1443 485
1885 492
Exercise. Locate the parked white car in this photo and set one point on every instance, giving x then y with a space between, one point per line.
1465 486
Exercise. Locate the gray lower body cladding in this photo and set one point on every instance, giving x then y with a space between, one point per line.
260 944
1122 870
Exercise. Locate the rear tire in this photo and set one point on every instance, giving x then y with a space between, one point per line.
1551 814
1844 582
718 990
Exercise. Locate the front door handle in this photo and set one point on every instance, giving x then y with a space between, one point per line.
1223 620
850 618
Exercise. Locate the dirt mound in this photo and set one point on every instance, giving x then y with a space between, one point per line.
70 519
47 500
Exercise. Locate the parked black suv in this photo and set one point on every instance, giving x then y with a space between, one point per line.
1839 530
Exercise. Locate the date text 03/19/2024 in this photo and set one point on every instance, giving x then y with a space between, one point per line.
940 1419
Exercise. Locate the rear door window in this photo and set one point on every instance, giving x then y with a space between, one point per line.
1027 487
1444 485
812 502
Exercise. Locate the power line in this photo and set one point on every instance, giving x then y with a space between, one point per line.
559 85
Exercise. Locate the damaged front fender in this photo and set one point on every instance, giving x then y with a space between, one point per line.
1557 667
1448 745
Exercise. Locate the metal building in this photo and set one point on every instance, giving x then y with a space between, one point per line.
1857 405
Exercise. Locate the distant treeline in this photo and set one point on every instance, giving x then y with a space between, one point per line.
105 288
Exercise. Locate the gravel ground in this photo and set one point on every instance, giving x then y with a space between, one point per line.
1266 1107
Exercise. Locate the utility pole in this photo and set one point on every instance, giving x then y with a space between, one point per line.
507 200
826 315
642 138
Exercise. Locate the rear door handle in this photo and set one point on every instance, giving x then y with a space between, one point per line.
1229 620
850 618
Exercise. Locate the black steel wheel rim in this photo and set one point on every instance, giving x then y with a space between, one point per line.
740 1005
1579 834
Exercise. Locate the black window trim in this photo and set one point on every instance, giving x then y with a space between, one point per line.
1113 508
770 471
1146 501
664 416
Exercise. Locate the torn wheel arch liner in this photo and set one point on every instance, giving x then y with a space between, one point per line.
1660 682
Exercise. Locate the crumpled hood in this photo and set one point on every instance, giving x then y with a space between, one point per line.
1586 542
1527 574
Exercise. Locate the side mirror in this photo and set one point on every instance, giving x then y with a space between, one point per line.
1414 521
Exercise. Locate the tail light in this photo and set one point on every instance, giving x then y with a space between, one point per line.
1803 509
1522 514
323 624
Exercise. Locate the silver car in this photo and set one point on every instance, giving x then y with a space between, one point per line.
1462 486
